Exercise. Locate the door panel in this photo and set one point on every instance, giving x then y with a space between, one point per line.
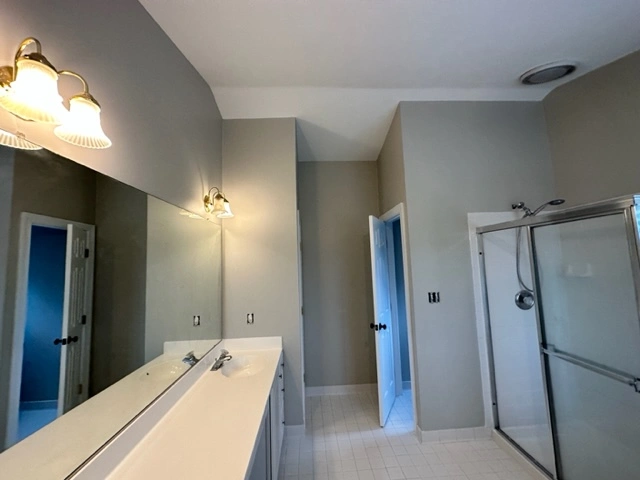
71 388
518 379
382 317
589 315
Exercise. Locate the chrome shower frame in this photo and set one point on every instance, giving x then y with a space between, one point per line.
628 206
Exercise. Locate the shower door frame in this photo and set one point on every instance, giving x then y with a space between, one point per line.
628 207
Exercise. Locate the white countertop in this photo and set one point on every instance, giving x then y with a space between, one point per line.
212 431
58 448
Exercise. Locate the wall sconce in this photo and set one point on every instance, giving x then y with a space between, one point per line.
29 90
217 204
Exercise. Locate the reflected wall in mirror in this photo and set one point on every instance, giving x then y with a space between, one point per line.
106 290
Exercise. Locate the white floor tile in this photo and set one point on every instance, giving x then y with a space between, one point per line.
344 441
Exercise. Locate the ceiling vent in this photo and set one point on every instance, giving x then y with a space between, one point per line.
547 73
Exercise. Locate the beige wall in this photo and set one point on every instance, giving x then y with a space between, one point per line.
260 244
593 125
335 200
391 167
461 157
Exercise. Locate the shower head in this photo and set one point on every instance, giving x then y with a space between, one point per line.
554 203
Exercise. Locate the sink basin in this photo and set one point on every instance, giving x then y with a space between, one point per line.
166 371
242 366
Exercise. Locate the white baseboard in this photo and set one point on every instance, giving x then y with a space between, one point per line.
454 435
341 389
527 464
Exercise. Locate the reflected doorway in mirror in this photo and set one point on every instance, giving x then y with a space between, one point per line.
52 322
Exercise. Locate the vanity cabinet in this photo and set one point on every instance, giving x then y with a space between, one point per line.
266 460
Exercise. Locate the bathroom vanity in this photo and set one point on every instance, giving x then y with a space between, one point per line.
226 424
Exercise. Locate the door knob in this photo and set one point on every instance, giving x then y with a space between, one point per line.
383 326
71 339
57 341
373 326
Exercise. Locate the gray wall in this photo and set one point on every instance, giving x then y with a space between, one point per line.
6 194
391 167
335 200
593 125
260 267
157 110
461 157
117 344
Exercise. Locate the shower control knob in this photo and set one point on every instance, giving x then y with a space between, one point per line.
382 326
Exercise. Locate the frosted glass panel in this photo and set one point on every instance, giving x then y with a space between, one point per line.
587 294
597 424
520 396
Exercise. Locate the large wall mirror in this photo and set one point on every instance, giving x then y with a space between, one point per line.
106 289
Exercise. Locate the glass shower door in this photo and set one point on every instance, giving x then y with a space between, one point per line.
520 404
591 339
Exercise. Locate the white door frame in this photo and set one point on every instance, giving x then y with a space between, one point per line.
27 221
400 212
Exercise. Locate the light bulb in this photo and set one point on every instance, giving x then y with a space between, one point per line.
82 125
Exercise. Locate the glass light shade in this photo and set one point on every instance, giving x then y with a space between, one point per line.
34 94
227 211
15 141
217 206
82 125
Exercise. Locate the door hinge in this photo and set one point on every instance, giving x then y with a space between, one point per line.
86 253
79 389
83 320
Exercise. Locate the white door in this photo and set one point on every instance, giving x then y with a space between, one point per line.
382 323
71 390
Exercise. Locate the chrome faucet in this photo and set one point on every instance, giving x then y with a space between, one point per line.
220 361
190 359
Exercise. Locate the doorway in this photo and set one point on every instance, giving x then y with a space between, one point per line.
51 337
392 320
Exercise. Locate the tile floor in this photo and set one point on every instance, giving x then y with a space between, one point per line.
343 441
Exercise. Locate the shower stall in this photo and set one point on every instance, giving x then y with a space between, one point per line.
565 374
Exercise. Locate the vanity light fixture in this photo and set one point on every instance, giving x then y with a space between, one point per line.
17 141
81 126
217 204
29 90
31 86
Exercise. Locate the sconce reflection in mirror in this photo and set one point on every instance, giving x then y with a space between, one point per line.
217 204
29 90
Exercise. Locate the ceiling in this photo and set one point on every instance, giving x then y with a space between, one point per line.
342 66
